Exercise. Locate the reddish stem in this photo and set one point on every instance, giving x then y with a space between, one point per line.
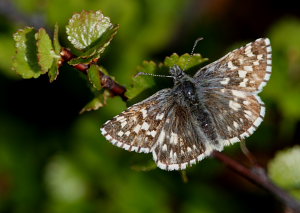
106 81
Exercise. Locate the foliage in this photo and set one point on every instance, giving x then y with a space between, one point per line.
284 170
53 160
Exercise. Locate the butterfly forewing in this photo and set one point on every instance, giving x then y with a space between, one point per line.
245 69
136 128
229 88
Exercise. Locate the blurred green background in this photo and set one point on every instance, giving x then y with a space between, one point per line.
54 160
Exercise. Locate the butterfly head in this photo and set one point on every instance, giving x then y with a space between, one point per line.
176 72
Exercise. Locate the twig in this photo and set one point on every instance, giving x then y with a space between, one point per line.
106 81
258 176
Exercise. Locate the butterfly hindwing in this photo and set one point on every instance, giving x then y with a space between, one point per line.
186 138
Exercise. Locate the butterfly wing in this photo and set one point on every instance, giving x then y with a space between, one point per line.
136 128
180 135
185 138
229 87
161 126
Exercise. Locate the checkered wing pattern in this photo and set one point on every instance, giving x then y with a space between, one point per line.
229 88
136 128
217 107
159 125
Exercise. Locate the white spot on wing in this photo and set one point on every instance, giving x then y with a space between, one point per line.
238 93
267 76
235 124
259 57
233 140
234 105
120 118
120 133
173 167
161 165
258 121
225 81
262 111
153 133
267 41
126 146
123 124
144 111
174 138
161 137
137 128
159 116
231 66
244 135
251 130
246 102
242 73
145 126
103 131
243 84
248 68
256 63
248 112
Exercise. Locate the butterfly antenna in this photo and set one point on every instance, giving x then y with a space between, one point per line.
192 52
144 73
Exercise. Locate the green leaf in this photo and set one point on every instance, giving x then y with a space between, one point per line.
285 171
25 61
97 48
83 60
86 27
97 102
94 76
140 83
56 44
90 32
54 70
45 50
185 61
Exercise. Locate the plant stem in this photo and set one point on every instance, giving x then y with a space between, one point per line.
258 176
106 81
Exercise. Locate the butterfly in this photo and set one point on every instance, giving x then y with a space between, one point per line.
216 107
